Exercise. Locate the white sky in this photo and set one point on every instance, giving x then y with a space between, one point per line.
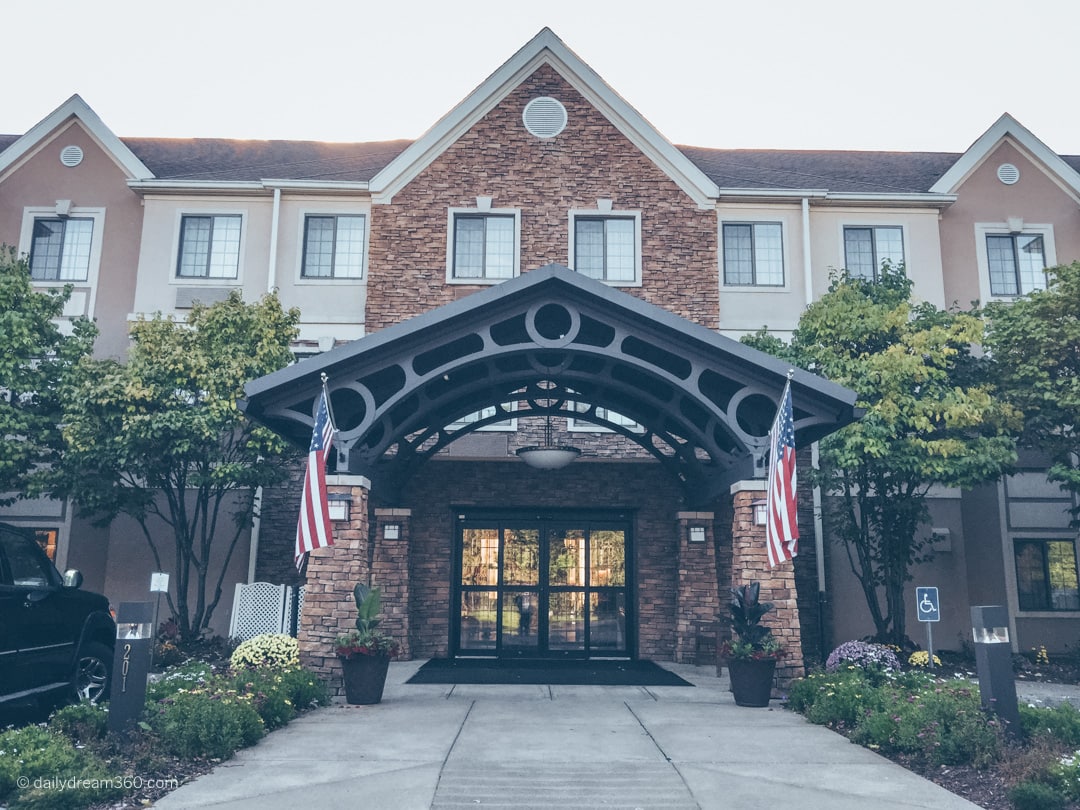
793 74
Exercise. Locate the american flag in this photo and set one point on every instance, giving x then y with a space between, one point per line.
781 526
313 527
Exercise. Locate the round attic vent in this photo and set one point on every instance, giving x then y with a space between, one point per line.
71 155
544 117
1008 174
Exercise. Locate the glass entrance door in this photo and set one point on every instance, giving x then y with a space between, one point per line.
546 587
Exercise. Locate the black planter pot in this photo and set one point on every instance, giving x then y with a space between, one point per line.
365 677
751 680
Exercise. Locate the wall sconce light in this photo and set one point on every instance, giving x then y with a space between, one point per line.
338 507
761 512
697 534
391 531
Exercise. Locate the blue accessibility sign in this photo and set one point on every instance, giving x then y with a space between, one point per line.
927 605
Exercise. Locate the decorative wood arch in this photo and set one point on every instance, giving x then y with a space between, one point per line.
545 339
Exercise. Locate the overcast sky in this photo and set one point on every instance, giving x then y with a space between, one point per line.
816 74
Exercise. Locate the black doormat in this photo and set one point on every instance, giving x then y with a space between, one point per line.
534 671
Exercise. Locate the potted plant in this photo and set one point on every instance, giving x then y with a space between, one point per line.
365 652
752 654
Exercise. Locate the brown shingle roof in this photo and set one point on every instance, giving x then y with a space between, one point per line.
837 171
221 159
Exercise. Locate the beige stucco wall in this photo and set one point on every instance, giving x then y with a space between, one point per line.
1036 197
157 281
329 308
98 182
921 245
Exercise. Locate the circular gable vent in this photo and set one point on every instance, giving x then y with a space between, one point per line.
1008 174
544 117
71 155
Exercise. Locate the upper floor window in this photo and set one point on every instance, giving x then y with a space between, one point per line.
1016 263
334 246
754 254
60 249
484 246
209 246
867 249
606 247
1046 577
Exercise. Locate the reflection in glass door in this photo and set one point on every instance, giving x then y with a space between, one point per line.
542 587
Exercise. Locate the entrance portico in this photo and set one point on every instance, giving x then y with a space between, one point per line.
685 414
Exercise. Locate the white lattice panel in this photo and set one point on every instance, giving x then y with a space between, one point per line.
259 607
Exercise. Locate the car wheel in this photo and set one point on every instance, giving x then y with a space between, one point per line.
92 670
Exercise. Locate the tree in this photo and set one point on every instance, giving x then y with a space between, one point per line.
930 418
34 354
1034 343
160 438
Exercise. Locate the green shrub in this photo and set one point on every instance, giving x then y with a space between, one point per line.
267 693
205 724
1065 774
81 722
60 776
1061 722
186 677
275 650
305 689
944 725
835 699
1035 796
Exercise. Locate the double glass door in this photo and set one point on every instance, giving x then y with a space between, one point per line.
544 587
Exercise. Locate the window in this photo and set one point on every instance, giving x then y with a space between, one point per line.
1016 263
606 248
60 249
1046 577
209 246
487 413
601 413
334 246
867 249
484 246
754 254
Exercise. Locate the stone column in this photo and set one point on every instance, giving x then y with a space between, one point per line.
390 573
750 562
329 609
697 600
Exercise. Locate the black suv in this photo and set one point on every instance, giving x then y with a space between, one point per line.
55 640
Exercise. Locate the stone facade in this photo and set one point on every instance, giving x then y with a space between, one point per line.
544 179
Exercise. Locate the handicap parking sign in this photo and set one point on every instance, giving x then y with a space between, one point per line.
927 605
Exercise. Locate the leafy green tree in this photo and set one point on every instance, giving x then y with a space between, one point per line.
34 353
160 438
930 418
1034 343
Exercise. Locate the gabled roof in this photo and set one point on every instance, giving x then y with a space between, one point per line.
544 49
77 108
1008 127
542 339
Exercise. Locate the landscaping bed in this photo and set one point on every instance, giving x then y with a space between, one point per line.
197 715
933 724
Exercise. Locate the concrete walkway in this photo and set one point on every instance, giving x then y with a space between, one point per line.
557 747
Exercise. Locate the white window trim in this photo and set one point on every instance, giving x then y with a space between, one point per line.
174 256
494 427
298 276
599 213
874 223
755 288
451 215
984 229
93 270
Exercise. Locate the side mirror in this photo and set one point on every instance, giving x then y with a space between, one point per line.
73 578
